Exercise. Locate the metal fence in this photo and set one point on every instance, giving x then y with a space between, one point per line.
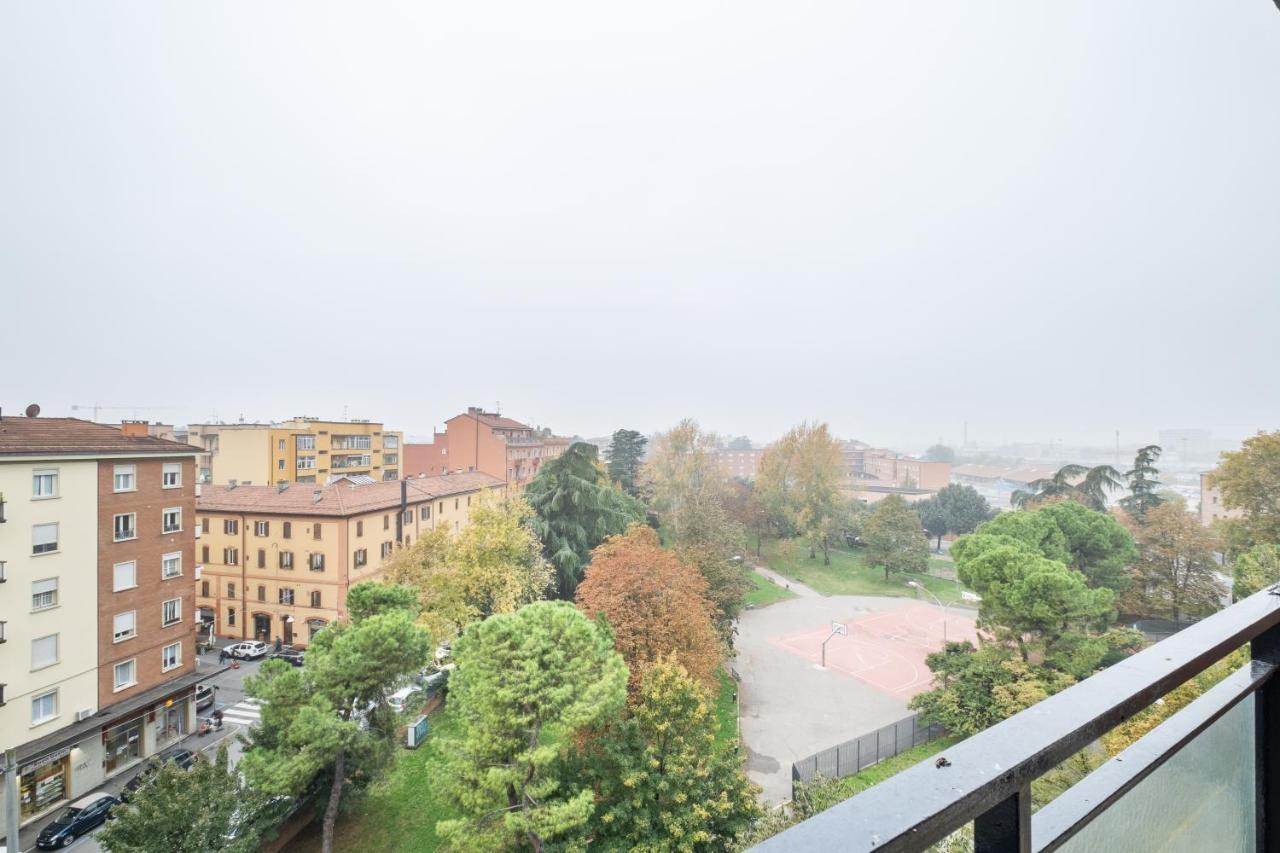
860 753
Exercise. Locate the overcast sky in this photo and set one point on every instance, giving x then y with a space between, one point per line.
1050 220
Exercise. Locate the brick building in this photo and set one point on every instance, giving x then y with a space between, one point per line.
486 442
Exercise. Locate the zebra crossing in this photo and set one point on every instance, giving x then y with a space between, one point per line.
247 712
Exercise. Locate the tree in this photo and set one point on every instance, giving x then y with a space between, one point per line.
682 476
1249 479
1176 573
1257 568
494 565
366 599
740 442
1097 544
655 604
894 539
940 453
742 504
963 508
330 717
799 480
663 783
208 807
933 519
1040 532
575 509
1143 482
1090 486
625 453
525 683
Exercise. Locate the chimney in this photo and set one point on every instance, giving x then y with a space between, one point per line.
280 487
317 495
134 429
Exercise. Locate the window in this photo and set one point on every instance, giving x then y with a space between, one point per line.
262 592
204 589
286 529
360 557
440 508
171 520
468 500
390 458
231 617
359 528
390 442
171 657
204 524
125 479
125 526
408 516
126 674
262 558
306 462
230 526
261 528
425 513
305 442
286 595
286 559
317 562
124 626
386 550
280 444
171 612
44 538
386 522
124 576
315 598
44 707
44 594
315 530
44 483
171 565
455 503
204 553
231 590
171 475
44 651
279 464
231 556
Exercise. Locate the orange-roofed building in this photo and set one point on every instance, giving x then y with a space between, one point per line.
485 442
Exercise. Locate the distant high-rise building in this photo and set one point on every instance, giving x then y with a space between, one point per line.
1187 444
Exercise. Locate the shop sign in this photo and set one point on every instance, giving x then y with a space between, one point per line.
44 760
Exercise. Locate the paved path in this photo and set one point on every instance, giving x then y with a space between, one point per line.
795 586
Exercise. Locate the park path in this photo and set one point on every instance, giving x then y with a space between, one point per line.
786 583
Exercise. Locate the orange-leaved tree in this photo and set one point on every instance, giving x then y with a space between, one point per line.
656 605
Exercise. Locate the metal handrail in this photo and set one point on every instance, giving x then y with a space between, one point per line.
987 777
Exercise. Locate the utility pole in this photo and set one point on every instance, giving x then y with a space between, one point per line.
12 819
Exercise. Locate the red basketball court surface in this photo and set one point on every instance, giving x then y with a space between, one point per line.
885 649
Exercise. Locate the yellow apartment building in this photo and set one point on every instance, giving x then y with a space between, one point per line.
277 561
301 450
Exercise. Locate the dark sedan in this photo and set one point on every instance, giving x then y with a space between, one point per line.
289 654
79 818
184 758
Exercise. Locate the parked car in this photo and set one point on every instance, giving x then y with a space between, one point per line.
184 758
85 814
205 694
248 649
289 654
405 698
438 681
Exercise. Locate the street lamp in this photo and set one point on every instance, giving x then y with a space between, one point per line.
964 596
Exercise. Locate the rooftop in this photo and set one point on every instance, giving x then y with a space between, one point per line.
22 436
341 498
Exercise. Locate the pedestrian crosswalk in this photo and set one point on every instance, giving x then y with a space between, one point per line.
246 712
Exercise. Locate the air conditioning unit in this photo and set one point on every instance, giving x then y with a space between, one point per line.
85 713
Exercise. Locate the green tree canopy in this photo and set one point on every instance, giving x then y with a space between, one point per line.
1257 568
963 508
370 597
1249 479
799 485
1144 483
575 509
624 454
1090 486
1176 573
1097 544
940 453
933 518
525 683
894 539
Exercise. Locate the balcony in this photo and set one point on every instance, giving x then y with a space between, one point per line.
1207 778
344 462
351 442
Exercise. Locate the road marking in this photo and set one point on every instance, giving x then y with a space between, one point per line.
246 712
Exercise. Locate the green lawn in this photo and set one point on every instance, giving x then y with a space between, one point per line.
727 708
848 574
764 591
827 792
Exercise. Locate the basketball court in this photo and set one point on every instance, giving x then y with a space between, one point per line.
884 649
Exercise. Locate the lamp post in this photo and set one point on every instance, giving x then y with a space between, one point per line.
964 596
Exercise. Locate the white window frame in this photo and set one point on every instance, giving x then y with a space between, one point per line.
316 556
129 471
285 594
165 575
165 664
228 553
174 469
36 607
132 663
118 636
38 700
306 462
37 475
35 545
115 575
164 606
115 528
230 526
164 519
262 528
57 652
304 442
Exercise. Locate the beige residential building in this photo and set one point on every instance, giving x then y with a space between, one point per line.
301 450
278 560
1211 506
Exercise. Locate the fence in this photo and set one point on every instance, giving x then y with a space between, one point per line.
860 753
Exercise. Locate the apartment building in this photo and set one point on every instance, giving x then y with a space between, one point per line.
301 450
1211 506
875 466
739 462
278 560
486 442
97 597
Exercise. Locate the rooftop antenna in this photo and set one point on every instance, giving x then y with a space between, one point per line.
497 407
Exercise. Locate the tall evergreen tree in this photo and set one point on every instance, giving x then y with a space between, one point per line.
1143 482
625 453
1090 486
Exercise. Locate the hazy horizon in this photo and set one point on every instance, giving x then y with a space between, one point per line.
1048 221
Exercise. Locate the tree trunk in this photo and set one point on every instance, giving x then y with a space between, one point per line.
886 572
813 554
938 550
335 795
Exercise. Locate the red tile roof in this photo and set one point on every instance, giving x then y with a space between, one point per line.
339 499
21 436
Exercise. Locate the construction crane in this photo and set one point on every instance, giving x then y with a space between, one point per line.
97 407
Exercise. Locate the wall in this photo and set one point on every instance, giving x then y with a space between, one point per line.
1211 506
244 455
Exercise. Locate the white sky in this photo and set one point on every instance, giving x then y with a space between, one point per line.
1050 220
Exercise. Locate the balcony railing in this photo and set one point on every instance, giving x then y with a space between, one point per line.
1212 769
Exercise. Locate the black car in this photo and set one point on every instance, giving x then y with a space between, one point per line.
184 758
76 820
290 654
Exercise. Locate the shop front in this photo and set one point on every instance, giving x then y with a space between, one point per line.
43 783
123 745
171 720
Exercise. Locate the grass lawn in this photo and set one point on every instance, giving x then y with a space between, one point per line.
727 708
848 574
764 591
829 792
401 811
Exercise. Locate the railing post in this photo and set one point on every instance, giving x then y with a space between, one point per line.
1266 714
1006 826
